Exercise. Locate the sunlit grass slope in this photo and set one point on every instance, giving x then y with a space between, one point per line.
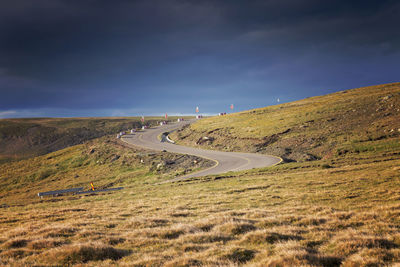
312 128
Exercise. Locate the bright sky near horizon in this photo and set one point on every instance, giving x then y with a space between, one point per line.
66 58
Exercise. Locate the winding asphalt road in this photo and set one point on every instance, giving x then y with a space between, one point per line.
225 161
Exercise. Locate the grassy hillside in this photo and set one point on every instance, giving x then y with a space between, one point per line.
289 215
105 161
342 209
318 127
24 138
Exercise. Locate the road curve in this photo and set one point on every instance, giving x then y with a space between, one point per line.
225 161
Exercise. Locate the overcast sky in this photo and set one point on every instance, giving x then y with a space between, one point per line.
127 57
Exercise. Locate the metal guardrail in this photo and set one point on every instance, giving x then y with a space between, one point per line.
99 190
169 140
78 190
58 192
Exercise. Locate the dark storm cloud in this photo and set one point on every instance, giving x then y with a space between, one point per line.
92 55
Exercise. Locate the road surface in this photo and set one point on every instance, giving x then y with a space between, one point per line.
224 161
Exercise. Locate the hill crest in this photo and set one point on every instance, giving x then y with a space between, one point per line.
308 129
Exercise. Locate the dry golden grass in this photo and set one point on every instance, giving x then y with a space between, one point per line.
292 214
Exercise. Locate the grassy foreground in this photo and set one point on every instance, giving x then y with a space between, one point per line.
291 214
339 210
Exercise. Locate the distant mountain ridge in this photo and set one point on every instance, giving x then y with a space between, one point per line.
24 138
